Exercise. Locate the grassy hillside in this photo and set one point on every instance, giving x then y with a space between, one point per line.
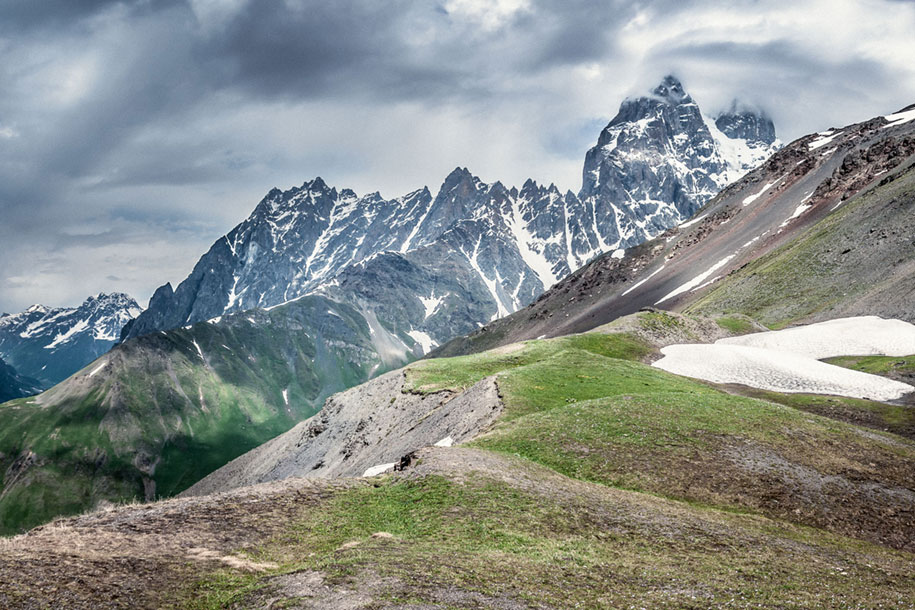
605 482
508 534
160 412
579 407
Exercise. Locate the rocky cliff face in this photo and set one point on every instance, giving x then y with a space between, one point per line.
49 345
662 159
656 162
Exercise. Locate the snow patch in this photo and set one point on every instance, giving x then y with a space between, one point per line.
424 340
797 212
775 370
690 223
286 397
789 360
523 238
899 118
825 138
64 337
445 442
431 304
97 369
380 468
618 253
491 285
856 336
199 351
637 284
698 280
756 196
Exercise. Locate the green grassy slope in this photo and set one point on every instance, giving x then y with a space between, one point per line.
596 417
156 416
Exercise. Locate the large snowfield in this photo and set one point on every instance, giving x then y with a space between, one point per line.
788 360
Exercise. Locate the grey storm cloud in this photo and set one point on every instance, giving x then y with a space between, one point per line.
133 133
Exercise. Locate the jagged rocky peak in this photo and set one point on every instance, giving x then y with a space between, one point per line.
671 91
661 157
656 162
49 344
460 181
746 123
657 159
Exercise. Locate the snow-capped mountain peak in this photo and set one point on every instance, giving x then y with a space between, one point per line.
654 164
665 158
49 344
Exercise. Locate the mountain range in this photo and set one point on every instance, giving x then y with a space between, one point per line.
320 290
733 256
654 164
50 344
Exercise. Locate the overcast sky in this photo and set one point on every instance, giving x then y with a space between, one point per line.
134 133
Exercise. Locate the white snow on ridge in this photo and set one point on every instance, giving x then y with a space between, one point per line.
698 280
899 118
858 336
199 351
97 369
797 212
825 138
491 285
445 442
756 196
737 154
637 284
523 238
424 340
690 223
64 337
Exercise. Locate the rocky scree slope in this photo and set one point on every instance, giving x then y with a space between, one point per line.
50 344
821 230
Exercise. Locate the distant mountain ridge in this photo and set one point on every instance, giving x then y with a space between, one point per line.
50 344
13 385
656 162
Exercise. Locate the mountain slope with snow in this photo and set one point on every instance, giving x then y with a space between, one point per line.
654 164
821 230
52 344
